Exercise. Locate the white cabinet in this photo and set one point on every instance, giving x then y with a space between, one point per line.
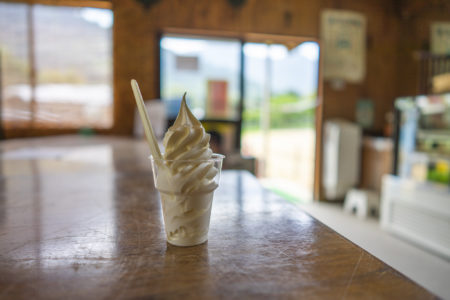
418 212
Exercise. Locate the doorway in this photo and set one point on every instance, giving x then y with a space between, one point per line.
269 97
281 85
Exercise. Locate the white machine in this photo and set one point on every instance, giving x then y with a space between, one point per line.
418 212
342 152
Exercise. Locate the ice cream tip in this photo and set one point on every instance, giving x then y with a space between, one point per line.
186 139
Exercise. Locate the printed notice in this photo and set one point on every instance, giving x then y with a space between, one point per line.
343 35
440 38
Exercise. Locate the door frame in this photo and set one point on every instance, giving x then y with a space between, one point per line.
249 37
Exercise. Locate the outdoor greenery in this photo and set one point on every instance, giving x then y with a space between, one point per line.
287 110
18 71
60 76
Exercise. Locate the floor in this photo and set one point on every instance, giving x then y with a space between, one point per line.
426 269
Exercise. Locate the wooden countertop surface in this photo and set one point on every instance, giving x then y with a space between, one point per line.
80 219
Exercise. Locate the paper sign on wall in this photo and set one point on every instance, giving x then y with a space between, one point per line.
343 35
440 38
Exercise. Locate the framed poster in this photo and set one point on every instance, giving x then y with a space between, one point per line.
343 35
440 38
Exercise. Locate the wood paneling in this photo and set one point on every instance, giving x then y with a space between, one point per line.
381 58
415 23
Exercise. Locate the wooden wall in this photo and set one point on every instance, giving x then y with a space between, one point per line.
415 18
381 59
135 44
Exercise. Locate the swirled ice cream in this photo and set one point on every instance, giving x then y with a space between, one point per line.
186 179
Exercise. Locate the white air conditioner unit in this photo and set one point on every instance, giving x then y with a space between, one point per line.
341 158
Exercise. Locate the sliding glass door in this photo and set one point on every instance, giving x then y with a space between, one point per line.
278 121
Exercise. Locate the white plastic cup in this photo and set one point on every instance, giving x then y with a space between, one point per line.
186 215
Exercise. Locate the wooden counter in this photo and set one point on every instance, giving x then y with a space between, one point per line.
80 219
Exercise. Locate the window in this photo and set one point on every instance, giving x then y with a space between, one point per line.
55 66
279 115
208 69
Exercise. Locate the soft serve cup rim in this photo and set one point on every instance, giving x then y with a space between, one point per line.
214 157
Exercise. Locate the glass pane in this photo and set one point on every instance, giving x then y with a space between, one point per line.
207 69
73 50
255 84
14 65
278 125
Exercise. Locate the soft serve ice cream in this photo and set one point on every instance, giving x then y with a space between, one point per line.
186 179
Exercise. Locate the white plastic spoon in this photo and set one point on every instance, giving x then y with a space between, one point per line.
148 129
